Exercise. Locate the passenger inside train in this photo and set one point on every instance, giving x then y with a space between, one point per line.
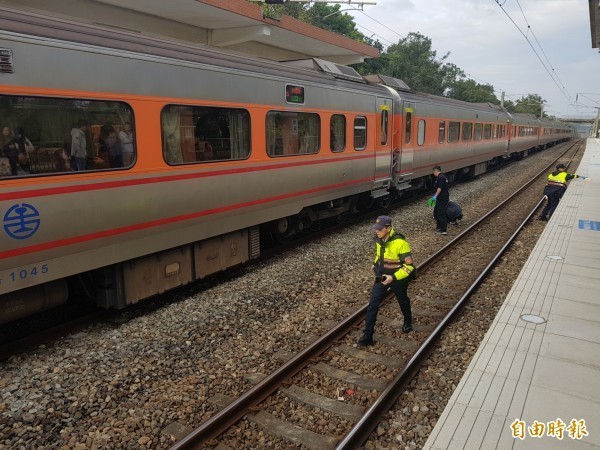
204 134
63 135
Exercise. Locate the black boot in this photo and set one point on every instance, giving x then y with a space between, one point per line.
407 313
366 340
407 327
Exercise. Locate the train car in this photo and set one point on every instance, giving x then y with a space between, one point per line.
524 132
552 131
133 165
221 144
465 138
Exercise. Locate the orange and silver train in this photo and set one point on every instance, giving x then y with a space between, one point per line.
131 165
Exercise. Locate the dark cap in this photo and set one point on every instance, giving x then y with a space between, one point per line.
560 166
382 222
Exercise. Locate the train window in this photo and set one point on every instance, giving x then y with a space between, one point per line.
408 128
487 131
384 126
453 131
204 133
360 133
442 132
495 131
44 135
478 131
337 133
467 131
293 133
421 132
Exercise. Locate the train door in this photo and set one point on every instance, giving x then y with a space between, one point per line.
383 147
403 150
508 137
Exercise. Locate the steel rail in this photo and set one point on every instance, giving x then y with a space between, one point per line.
361 431
233 412
425 264
228 416
365 426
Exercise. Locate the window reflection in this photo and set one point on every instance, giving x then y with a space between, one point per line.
53 135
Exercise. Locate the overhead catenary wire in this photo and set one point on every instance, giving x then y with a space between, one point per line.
373 33
404 37
379 37
541 48
591 100
561 88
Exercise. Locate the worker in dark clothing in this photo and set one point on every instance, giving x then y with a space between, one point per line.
453 213
394 269
555 189
440 199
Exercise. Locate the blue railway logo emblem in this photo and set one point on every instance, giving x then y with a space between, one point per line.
21 221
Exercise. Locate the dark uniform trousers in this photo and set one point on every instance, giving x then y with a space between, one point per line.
554 194
400 290
439 213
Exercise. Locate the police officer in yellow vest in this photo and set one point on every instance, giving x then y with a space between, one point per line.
393 269
555 189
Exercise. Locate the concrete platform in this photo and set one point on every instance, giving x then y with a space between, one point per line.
537 386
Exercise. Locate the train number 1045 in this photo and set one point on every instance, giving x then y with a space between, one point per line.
25 273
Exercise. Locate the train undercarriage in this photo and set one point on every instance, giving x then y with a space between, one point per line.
129 282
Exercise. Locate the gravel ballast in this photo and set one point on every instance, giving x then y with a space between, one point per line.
120 384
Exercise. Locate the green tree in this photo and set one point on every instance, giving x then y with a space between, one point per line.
331 19
320 15
414 61
509 106
470 91
530 104
374 65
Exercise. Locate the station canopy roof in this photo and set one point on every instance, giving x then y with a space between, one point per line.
595 22
236 25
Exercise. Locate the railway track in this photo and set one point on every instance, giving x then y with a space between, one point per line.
28 333
330 366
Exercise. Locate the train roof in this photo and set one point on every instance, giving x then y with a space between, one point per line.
28 23
309 69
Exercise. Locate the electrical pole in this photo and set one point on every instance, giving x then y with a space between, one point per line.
596 129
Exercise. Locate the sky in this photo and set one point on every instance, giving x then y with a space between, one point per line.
484 43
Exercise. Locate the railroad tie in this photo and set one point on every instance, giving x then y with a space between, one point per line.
293 433
360 382
341 409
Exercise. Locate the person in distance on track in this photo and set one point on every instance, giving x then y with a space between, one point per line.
394 269
555 189
440 199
